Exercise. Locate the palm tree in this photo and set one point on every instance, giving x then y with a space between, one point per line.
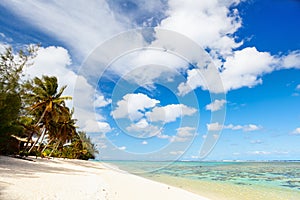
65 129
88 148
48 104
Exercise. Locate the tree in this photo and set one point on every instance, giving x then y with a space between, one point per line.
36 107
89 150
65 129
11 67
46 103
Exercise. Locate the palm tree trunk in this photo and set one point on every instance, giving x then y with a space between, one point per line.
43 135
29 138
58 143
47 145
35 143
40 119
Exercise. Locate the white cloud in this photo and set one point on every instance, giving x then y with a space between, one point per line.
169 113
233 127
296 131
251 127
210 23
96 126
144 142
214 29
207 22
163 136
100 101
183 134
143 129
216 105
194 80
245 67
55 61
292 60
122 148
298 87
241 69
217 127
176 152
260 152
246 128
78 25
133 106
147 66
214 126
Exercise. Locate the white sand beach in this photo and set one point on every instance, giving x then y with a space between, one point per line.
75 179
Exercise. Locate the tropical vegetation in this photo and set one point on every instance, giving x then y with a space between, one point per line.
34 118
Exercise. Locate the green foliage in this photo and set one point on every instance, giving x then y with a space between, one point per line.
11 67
37 108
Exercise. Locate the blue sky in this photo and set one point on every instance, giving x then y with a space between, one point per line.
210 79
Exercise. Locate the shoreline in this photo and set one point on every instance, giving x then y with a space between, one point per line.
76 179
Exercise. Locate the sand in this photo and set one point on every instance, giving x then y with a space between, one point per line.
75 179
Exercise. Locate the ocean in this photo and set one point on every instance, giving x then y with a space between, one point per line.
224 180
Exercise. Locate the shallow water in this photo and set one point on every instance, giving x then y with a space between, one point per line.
225 180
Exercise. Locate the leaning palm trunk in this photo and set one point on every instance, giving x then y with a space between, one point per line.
29 139
47 145
36 125
55 148
36 141
43 136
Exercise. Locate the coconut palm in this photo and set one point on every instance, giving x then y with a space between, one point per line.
88 148
46 102
64 129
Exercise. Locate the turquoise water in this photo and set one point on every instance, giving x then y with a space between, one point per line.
281 175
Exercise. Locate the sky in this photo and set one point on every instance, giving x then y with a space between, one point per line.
171 79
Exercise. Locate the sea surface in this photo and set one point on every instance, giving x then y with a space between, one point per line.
224 180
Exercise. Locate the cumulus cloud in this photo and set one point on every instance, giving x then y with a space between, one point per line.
245 67
122 148
214 126
296 131
183 134
207 22
144 142
298 87
268 152
216 105
55 61
133 106
96 126
246 128
251 127
100 101
169 113
211 24
143 129
148 65
176 152
292 60
260 152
